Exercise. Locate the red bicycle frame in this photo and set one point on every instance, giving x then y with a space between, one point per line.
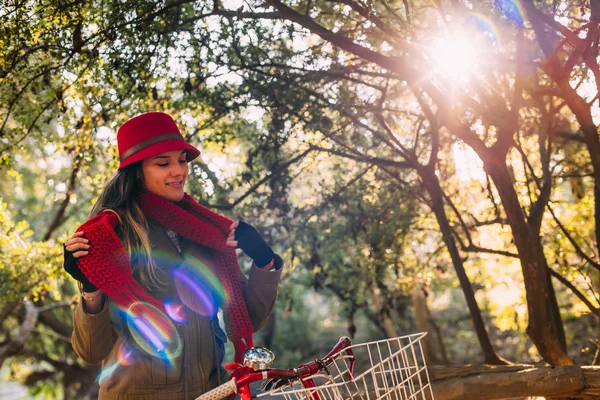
245 376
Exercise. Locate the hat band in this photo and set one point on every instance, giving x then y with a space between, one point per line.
149 142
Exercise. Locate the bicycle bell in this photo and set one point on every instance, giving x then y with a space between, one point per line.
259 358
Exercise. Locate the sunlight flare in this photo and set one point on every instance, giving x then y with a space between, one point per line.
455 57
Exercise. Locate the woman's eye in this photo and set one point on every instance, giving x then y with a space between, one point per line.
182 161
163 165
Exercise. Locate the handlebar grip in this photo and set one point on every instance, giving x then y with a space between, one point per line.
220 392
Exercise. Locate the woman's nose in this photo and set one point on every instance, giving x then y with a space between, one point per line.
178 170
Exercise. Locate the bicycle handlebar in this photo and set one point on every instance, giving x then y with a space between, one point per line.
220 392
303 371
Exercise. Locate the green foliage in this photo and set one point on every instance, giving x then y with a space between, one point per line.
27 268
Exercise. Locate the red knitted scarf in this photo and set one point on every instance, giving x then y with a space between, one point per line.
108 267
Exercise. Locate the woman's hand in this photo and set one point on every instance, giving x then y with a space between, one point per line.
244 236
75 247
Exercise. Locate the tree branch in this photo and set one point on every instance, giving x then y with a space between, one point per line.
537 209
576 292
366 159
397 64
8 309
254 187
57 304
477 249
58 326
13 345
573 242
58 216
379 23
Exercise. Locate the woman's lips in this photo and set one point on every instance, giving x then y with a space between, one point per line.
175 184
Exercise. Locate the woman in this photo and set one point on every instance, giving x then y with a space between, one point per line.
154 267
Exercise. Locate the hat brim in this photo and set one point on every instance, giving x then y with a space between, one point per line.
159 148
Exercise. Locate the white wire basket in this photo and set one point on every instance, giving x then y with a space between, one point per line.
385 369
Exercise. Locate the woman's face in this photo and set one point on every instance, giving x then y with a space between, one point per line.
165 174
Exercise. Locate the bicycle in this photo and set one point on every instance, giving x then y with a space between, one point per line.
391 369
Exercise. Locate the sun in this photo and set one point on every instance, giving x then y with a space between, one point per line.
455 57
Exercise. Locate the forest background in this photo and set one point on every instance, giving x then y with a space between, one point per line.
420 165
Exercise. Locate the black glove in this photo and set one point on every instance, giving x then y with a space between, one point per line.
73 269
253 244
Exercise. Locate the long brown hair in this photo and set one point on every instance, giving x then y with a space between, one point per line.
121 194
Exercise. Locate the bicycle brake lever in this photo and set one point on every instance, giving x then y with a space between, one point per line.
272 383
231 366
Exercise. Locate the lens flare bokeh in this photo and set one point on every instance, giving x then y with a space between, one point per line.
176 311
107 372
125 354
513 10
153 332
199 288
485 25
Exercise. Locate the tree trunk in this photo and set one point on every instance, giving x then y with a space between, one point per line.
419 303
545 325
439 336
383 314
350 312
506 382
432 185
268 331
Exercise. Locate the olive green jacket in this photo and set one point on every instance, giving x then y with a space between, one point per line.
198 367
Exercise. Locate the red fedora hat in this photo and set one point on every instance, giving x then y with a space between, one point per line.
148 135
